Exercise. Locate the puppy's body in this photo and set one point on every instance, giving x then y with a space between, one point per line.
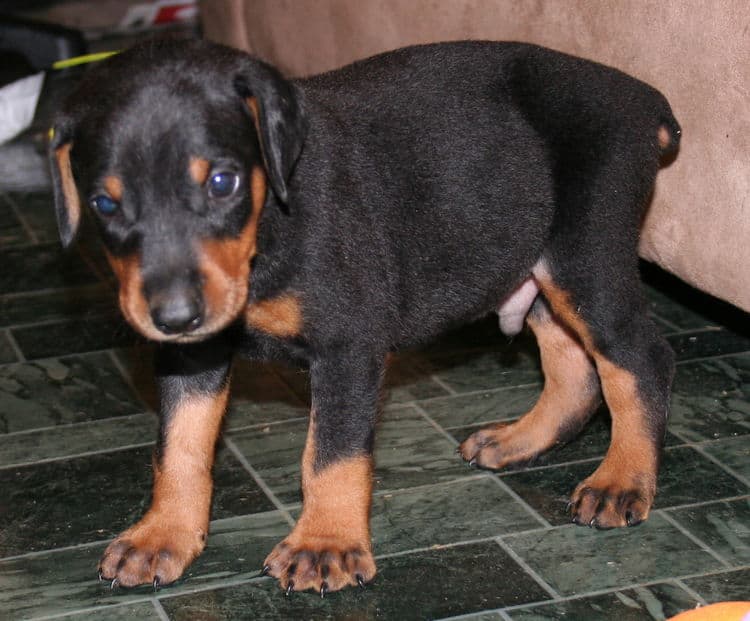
373 208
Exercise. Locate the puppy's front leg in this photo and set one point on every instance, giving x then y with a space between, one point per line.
329 548
193 390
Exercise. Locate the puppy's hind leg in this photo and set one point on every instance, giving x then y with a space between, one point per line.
570 396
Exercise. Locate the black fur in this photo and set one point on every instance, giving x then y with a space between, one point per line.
412 191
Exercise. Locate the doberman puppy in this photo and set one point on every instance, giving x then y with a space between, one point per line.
330 220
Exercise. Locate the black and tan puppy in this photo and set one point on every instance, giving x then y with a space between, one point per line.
331 220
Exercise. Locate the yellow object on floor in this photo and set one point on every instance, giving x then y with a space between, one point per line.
723 611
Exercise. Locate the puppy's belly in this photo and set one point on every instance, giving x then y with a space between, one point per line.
514 308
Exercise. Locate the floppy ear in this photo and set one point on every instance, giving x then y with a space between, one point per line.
275 105
67 202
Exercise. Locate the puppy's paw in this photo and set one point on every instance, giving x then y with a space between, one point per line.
498 446
151 553
319 563
612 504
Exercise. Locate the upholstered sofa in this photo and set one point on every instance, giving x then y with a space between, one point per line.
697 53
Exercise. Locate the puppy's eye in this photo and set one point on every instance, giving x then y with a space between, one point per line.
104 204
222 184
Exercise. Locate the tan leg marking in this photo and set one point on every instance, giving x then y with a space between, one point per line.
570 396
173 531
621 490
329 547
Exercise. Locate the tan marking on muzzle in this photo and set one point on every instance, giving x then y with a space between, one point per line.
133 303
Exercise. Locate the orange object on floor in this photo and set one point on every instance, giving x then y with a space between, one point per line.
723 611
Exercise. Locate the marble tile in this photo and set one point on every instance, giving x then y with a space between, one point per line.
408 378
733 452
724 526
140 610
463 410
685 477
722 587
7 353
45 266
62 391
446 513
11 231
711 398
681 316
707 343
409 452
93 498
80 302
655 602
74 439
576 560
62 581
511 364
75 336
426 585
38 211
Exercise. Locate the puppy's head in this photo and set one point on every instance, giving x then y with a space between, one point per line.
176 146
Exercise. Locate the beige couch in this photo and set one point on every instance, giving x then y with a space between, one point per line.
696 52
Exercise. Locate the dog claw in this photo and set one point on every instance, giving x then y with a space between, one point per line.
157 583
101 577
290 588
472 463
323 589
113 584
360 581
264 571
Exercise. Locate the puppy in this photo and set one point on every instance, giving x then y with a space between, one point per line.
331 220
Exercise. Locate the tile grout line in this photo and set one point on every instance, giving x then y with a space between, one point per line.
45 323
670 324
527 568
160 610
126 378
699 449
457 544
229 443
508 490
91 609
451 391
714 357
21 219
625 587
14 346
83 423
703 503
697 541
468 393
49 460
689 591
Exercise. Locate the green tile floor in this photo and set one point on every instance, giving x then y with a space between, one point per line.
77 430
77 426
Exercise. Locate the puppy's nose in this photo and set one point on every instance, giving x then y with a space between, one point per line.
176 311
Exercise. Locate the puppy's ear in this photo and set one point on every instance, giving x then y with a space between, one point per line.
67 202
276 109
